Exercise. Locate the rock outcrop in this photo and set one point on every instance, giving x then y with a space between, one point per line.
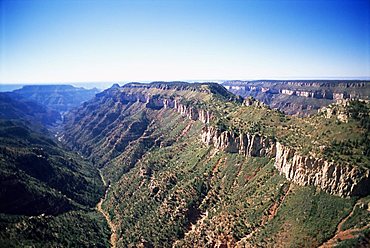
333 178
337 110
247 144
157 102
303 170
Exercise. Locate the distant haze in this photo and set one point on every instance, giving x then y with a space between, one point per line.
109 41
88 85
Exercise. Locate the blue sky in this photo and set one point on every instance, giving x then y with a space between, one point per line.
85 40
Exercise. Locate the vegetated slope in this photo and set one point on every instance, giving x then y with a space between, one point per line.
190 164
41 183
300 97
61 98
34 166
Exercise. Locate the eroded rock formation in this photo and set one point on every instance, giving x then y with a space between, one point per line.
333 178
156 102
247 144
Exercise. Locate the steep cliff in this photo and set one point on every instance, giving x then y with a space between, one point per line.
333 178
246 144
158 102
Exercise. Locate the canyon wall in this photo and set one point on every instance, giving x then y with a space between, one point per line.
246 144
318 94
333 178
156 102
334 90
302 97
303 170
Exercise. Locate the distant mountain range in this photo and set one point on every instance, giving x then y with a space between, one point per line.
61 98
6 87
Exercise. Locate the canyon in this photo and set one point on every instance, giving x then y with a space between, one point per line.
177 164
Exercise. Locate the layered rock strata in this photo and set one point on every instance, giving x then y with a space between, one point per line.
332 90
303 170
156 102
246 144
333 178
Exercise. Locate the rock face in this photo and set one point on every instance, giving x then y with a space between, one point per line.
157 102
246 144
333 178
